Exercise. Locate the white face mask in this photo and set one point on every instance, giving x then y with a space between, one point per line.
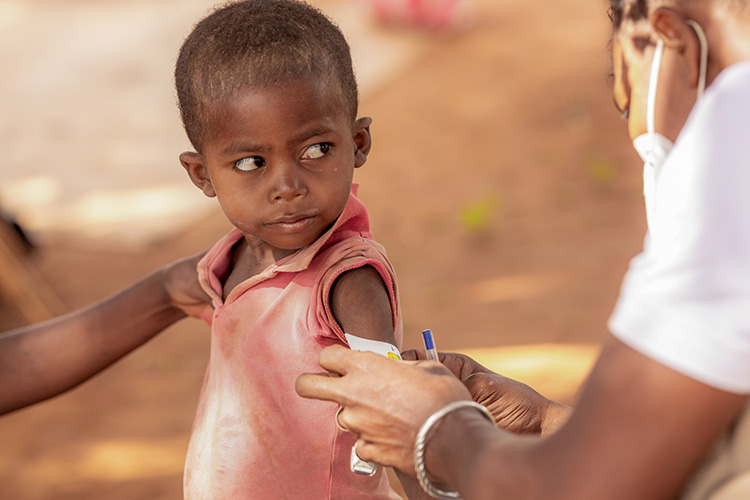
652 147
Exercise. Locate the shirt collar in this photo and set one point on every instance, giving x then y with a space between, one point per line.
215 264
353 220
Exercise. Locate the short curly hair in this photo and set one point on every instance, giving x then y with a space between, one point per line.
632 10
258 44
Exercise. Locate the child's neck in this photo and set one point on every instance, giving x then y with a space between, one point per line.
250 258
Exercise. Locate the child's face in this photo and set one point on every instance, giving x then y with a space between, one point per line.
281 161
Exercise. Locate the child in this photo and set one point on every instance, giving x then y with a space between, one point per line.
268 99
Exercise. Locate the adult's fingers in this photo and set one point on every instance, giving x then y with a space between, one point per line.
372 452
460 365
341 360
320 386
420 355
335 358
338 360
412 355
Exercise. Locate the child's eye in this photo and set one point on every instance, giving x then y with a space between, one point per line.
249 163
316 151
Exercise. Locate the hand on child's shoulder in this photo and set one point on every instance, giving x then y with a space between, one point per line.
182 287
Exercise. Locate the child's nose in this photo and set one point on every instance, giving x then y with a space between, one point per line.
288 183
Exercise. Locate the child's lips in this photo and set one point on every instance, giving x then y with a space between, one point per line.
293 224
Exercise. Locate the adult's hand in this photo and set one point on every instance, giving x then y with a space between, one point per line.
516 407
384 402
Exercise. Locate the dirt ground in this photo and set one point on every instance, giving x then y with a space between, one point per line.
501 182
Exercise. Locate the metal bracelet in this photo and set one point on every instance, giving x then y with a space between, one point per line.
421 443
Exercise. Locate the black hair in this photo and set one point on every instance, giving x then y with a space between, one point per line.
258 44
637 10
631 10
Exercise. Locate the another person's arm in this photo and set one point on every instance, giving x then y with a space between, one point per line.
515 406
46 359
638 432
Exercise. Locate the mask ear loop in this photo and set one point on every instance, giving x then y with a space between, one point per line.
652 85
656 66
704 54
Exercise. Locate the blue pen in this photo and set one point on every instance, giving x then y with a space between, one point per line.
429 345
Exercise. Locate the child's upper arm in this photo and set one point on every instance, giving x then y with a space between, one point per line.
361 304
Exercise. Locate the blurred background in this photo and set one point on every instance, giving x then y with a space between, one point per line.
501 182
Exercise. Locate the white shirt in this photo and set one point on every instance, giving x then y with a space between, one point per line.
685 301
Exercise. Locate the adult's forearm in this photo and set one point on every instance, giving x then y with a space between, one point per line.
638 431
480 461
47 359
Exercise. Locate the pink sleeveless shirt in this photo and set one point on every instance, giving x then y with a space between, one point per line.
253 436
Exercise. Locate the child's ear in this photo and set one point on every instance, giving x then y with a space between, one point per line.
362 140
198 173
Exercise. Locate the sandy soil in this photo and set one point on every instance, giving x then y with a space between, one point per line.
502 184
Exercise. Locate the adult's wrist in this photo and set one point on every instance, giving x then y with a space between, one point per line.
454 444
